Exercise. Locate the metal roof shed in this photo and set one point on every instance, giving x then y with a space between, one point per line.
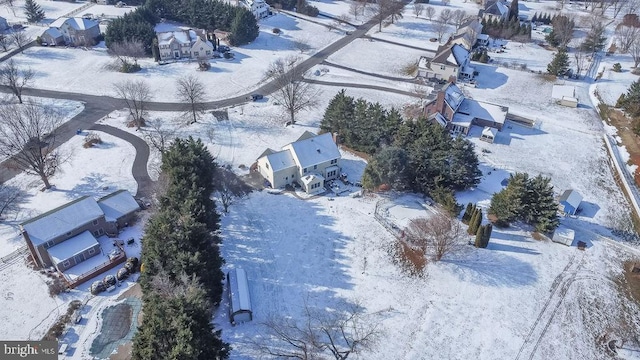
239 300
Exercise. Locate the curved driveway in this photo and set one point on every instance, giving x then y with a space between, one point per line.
97 107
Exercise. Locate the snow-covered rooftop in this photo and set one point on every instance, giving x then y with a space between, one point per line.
118 204
314 150
571 197
281 160
76 23
483 110
489 131
462 119
460 54
453 96
563 91
53 32
72 246
61 220
239 287
564 235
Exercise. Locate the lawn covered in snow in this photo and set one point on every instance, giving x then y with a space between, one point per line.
84 71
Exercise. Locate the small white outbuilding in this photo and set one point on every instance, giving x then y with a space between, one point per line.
564 235
565 95
240 310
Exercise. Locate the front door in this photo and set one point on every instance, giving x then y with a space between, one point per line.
176 54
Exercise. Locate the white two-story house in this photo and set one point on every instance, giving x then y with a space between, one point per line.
450 63
309 161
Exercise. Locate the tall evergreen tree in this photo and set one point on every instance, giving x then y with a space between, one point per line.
33 11
486 235
473 222
244 27
560 63
338 115
479 233
513 10
463 164
630 102
543 213
467 213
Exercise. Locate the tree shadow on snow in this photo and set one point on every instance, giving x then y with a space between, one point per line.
494 269
488 77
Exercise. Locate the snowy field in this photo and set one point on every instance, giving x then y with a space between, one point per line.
52 9
83 71
377 57
518 297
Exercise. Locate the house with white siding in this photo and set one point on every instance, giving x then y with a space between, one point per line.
310 162
75 31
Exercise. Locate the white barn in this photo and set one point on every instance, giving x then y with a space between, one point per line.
240 310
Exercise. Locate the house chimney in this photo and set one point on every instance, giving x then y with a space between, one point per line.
334 136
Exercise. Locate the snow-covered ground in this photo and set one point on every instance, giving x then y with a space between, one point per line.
518 296
83 71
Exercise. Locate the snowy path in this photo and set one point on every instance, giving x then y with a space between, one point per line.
559 290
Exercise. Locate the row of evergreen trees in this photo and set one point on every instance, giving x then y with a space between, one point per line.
406 155
205 14
473 217
509 29
526 199
181 278
542 18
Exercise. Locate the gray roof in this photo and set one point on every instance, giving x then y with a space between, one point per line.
72 246
571 197
315 150
281 160
118 204
61 220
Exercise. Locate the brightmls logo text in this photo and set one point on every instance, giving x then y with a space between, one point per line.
32 350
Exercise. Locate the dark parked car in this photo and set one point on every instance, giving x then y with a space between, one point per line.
256 97
223 48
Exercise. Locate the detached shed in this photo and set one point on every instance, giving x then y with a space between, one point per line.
564 235
569 202
240 310
565 95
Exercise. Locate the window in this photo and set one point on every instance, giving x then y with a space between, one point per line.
208 52
66 264
334 161
442 67
96 234
95 222
49 243
92 251
195 53
100 231
266 165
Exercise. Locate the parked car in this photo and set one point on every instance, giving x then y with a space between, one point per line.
223 48
97 287
256 97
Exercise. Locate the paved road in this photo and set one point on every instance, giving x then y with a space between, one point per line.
392 78
139 169
96 107
362 86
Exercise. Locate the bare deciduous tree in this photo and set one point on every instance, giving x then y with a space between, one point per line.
127 53
190 90
445 16
563 29
136 94
20 39
16 79
5 42
580 61
632 6
459 17
9 198
354 9
430 12
293 93
634 51
10 5
418 8
626 35
388 8
337 334
28 138
230 187
441 28
158 135
439 234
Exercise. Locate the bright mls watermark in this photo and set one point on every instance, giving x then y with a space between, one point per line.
31 350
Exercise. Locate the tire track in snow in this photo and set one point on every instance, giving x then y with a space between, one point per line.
559 290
